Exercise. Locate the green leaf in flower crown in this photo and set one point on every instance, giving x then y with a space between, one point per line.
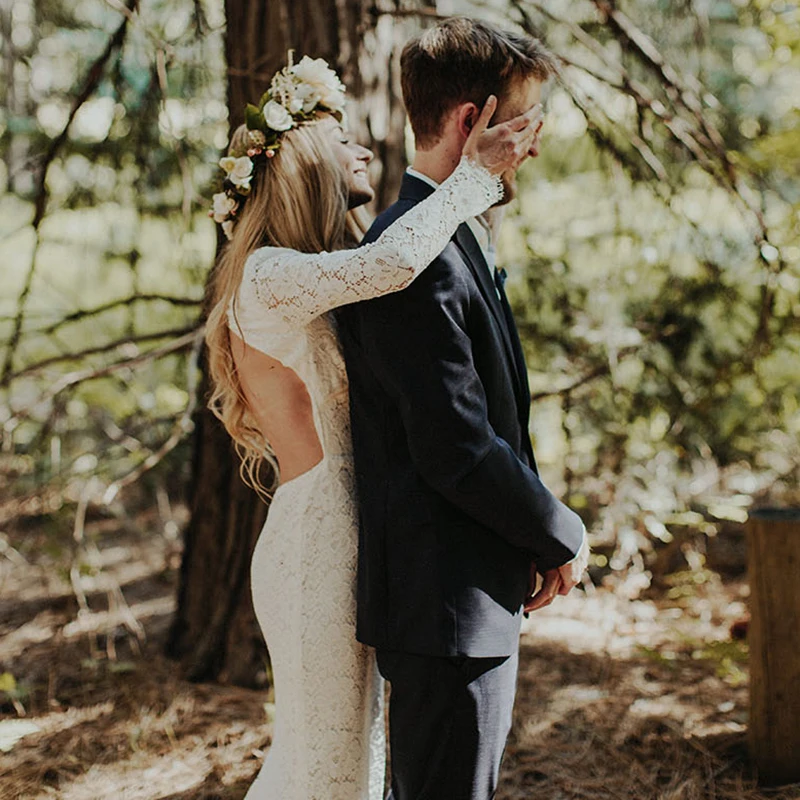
254 119
265 98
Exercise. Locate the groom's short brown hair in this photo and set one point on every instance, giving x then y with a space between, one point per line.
464 60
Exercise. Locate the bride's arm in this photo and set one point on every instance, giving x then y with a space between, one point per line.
301 286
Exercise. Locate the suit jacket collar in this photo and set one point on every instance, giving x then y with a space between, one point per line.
412 188
474 257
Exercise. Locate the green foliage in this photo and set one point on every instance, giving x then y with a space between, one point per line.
121 254
8 683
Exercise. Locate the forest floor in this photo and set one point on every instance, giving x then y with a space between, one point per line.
619 698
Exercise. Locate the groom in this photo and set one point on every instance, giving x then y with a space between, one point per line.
454 518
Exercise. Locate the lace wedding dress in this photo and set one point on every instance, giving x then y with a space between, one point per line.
328 741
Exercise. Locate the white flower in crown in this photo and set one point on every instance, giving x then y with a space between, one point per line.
308 96
333 99
277 117
239 171
223 206
227 229
324 82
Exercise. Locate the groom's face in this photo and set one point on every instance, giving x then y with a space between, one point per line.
521 97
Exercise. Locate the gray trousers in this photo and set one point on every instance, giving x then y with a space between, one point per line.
448 723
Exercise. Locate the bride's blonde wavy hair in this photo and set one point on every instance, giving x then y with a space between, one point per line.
299 200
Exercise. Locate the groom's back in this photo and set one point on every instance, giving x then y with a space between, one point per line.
431 579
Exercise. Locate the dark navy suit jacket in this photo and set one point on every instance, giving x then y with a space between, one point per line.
452 510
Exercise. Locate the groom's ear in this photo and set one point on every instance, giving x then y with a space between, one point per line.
466 116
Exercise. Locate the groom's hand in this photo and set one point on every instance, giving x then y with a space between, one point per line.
572 572
551 586
560 580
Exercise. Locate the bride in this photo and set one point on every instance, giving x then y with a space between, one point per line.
280 388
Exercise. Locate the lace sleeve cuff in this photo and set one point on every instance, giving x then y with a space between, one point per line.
474 186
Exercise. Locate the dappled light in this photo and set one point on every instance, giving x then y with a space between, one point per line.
653 260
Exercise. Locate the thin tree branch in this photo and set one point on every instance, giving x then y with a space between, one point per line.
130 11
183 426
19 317
646 153
606 368
81 376
647 52
90 85
81 314
181 333
602 369
703 141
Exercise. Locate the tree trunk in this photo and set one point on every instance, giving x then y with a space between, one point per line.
773 564
214 633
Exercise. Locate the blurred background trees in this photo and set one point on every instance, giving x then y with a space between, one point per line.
654 264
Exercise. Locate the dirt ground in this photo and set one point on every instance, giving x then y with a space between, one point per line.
634 699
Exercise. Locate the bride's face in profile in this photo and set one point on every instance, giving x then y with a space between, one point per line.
353 158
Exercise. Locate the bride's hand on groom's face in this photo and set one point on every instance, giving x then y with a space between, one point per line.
505 146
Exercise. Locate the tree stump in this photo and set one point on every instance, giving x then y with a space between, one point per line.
774 567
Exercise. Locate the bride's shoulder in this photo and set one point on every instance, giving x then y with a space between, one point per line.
266 255
272 278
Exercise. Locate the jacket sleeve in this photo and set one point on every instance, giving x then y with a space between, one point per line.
416 343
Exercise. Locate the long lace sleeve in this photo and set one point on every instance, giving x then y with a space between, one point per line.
301 286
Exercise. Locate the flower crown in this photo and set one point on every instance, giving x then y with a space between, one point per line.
295 94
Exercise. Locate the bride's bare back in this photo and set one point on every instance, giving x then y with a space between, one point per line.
281 405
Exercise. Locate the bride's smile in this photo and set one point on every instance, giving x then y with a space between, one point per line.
353 159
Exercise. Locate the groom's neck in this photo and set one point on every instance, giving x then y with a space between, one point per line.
439 161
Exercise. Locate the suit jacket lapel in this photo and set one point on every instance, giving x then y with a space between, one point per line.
412 189
477 263
516 345
522 370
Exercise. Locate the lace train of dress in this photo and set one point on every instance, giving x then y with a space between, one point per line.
328 741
